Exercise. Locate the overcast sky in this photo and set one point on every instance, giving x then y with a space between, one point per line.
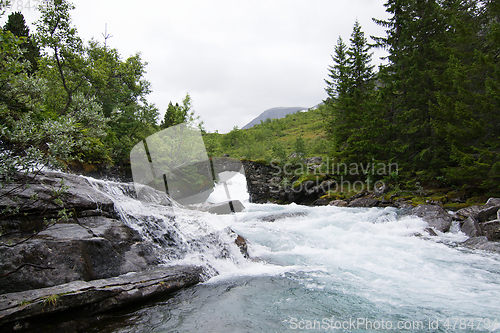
235 58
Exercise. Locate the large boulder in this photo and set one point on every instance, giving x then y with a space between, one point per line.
436 216
491 230
471 227
62 229
482 213
36 196
482 243
94 248
219 208
364 202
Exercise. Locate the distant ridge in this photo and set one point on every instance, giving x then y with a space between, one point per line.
274 113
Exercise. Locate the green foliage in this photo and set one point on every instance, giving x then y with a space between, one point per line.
30 51
443 59
178 114
353 119
274 139
81 103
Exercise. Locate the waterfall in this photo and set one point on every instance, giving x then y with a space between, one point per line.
180 236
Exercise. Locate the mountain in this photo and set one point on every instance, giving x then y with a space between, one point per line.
274 113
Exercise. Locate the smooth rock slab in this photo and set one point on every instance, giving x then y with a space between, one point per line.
95 296
96 248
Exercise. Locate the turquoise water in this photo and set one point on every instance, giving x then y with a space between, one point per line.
330 269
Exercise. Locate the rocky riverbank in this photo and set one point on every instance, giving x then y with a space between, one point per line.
63 246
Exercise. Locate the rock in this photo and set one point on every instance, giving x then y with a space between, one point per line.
78 195
470 211
219 208
320 189
488 213
314 160
242 244
482 243
475 242
484 212
321 202
471 227
381 189
261 182
225 207
436 216
79 297
339 203
95 248
431 231
364 202
272 218
491 230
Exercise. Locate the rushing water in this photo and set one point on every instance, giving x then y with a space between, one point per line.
314 269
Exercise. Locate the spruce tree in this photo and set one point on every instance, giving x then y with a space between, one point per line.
415 40
17 25
337 89
351 88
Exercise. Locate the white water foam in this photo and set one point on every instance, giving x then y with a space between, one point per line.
316 262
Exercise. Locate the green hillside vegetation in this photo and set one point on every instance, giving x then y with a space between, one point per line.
301 133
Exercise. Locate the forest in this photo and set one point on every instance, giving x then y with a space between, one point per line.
433 108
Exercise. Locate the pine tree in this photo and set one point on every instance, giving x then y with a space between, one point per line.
337 90
468 97
17 25
350 88
415 41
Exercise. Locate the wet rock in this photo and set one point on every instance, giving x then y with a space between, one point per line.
77 195
80 298
482 243
482 213
227 207
471 227
364 202
95 248
261 182
431 231
339 203
274 217
321 202
436 216
242 245
491 230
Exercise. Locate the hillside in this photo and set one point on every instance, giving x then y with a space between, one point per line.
301 132
274 113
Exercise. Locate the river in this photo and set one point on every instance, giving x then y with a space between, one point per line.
315 269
